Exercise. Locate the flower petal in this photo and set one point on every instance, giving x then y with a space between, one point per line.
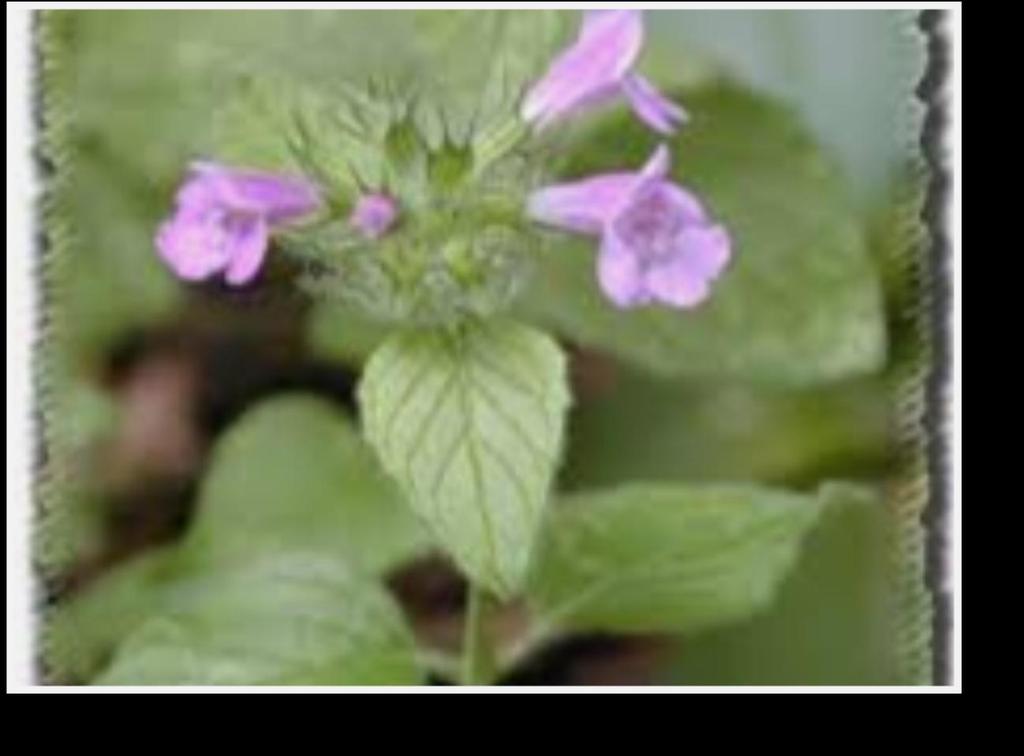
685 202
653 108
606 49
196 196
582 206
684 281
707 249
192 246
280 198
619 274
247 247
650 176
677 283
594 19
657 164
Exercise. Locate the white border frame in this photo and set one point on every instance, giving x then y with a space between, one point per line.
22 315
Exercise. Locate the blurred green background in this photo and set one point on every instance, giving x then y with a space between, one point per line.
147 383
848 72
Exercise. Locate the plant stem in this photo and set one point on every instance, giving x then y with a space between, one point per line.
534 640
477 657
446 666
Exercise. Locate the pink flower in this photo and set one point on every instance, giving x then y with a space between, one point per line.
657 242
374 214
223 219
597 68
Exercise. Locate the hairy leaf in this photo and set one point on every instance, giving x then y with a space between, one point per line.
470 425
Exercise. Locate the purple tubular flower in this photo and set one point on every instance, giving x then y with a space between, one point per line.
374 214
596 69
223 219
657 242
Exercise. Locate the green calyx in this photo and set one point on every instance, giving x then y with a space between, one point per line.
459 246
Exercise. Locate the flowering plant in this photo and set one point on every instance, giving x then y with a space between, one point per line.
657 246
576 310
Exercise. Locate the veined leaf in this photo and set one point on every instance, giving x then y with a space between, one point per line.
667 557
470 425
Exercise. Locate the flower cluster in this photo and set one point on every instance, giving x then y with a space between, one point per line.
657 242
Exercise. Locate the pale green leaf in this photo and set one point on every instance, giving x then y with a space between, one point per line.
799 304
292 619
667 557
470 425
293 474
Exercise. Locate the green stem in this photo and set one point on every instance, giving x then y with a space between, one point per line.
444 665
477 656
533 641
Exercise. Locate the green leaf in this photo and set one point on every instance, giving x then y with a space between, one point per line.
293 474
470 425
800 303
667 557
290 475
832 622
82 631
292 619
